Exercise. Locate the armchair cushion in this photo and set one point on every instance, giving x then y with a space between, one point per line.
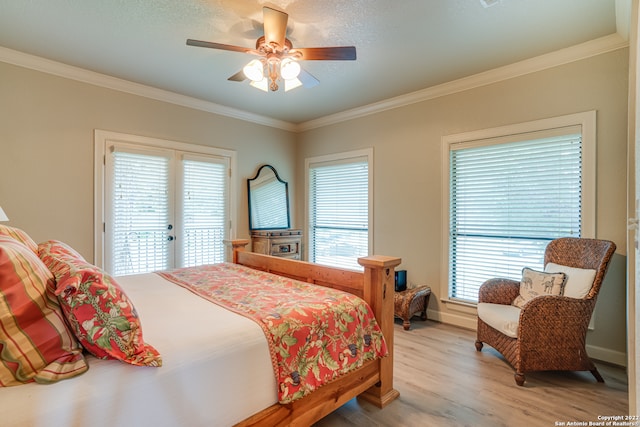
501 317
536 283
579 280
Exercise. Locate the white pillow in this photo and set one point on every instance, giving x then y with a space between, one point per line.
579 280
501 317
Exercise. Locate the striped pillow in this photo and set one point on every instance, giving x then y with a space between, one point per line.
20 236
35 343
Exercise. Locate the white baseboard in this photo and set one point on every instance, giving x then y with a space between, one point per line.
607 355
462 320
598 353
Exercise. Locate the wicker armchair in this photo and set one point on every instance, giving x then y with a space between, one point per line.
551 330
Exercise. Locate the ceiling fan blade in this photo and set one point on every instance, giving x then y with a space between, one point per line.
275 25
238 77
200 43
340 53
307 79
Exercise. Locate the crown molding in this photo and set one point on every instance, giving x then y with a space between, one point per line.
560 57
564 56
97 79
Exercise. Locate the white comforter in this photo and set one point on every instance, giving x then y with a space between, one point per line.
216 371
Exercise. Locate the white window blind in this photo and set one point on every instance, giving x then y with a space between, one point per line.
339 212
507 201
204 197
140 215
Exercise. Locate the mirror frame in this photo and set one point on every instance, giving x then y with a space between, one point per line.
286 192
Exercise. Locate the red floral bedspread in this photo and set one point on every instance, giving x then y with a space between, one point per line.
315 334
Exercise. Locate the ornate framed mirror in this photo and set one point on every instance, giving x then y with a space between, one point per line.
268 200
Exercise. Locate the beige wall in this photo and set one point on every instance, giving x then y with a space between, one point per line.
46 148
46 161
408 173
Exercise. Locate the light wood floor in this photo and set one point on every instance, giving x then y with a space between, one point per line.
443 381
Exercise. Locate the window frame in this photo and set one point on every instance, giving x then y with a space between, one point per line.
587 123
344 157
102 140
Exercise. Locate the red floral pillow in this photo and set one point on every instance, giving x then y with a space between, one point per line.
100 313
35 343
52 252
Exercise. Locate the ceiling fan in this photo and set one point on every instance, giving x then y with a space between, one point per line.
278 59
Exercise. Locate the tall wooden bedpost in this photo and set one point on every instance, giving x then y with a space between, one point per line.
379 286
235 246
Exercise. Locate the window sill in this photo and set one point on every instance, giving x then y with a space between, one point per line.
459 302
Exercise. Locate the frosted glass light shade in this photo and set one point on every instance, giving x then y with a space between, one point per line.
254 70
289 69
3 216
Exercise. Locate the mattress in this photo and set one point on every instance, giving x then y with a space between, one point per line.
216 371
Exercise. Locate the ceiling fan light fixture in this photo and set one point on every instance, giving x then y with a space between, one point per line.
289 69
279 60
254 70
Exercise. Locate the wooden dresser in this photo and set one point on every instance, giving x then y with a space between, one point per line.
282 243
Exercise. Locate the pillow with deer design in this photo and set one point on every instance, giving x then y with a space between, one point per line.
537 283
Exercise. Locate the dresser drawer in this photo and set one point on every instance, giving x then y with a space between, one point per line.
285 248
281 243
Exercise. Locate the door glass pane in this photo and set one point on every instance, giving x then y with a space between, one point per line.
140 213
204 212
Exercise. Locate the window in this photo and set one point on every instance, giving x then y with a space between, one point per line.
339 200
160 204
510 192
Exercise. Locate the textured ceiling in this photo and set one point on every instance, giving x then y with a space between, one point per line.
402 46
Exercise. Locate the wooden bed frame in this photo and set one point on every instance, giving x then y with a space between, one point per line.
372 382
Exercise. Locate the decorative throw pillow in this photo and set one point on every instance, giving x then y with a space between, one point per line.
59 249
579 280
52 252
35 343
101 315
537 283
20 236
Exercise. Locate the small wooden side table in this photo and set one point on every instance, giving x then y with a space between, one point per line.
411 301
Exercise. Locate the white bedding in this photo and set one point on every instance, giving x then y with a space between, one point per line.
216 371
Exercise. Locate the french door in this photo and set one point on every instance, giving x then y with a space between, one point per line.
163 208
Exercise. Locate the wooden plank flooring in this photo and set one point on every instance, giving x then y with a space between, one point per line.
443 381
